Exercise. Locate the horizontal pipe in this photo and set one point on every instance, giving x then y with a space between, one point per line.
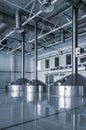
55 44
28 20
7 36
34 16
56 29
47 33
31 19
14 49
54 1
29 4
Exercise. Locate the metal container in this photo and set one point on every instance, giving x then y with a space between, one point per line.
40 88
29 88
15 94
66 91
15 90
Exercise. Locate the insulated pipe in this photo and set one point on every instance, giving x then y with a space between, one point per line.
74 44
52 31
34 16
18 19
36 54
18 27
23 54
16 6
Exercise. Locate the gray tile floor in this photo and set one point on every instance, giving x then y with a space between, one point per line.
33 111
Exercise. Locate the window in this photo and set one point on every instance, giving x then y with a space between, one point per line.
39 65
47 63
56 61
68 59
82 60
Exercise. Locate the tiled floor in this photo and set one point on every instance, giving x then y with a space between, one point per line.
32 111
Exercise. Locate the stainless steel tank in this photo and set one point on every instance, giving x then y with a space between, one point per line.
35 86
15 89
66 91
29 88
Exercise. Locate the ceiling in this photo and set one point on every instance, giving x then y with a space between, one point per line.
51 28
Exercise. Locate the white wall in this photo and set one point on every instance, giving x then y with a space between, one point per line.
10 67
51 55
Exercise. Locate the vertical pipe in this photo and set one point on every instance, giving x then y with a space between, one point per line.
18 19
74 44
62 36
23 53
36 54
36 72
12 66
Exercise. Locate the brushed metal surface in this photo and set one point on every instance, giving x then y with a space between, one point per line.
66 91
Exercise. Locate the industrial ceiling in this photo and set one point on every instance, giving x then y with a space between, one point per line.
53 27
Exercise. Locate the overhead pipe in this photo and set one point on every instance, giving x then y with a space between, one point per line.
18 27
28 20
3 27
24 10
38 13
14 49
52 31
39 37
56 29
60 11
46 6
18 19
28 4
7 36
54 44
31 19
53 2
34 15
19 7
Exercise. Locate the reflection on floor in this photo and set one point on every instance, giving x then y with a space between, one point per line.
33 111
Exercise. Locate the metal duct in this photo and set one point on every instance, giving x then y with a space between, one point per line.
18 27
3 27
46 6
64 7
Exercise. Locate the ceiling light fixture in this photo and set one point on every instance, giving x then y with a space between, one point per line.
46 6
